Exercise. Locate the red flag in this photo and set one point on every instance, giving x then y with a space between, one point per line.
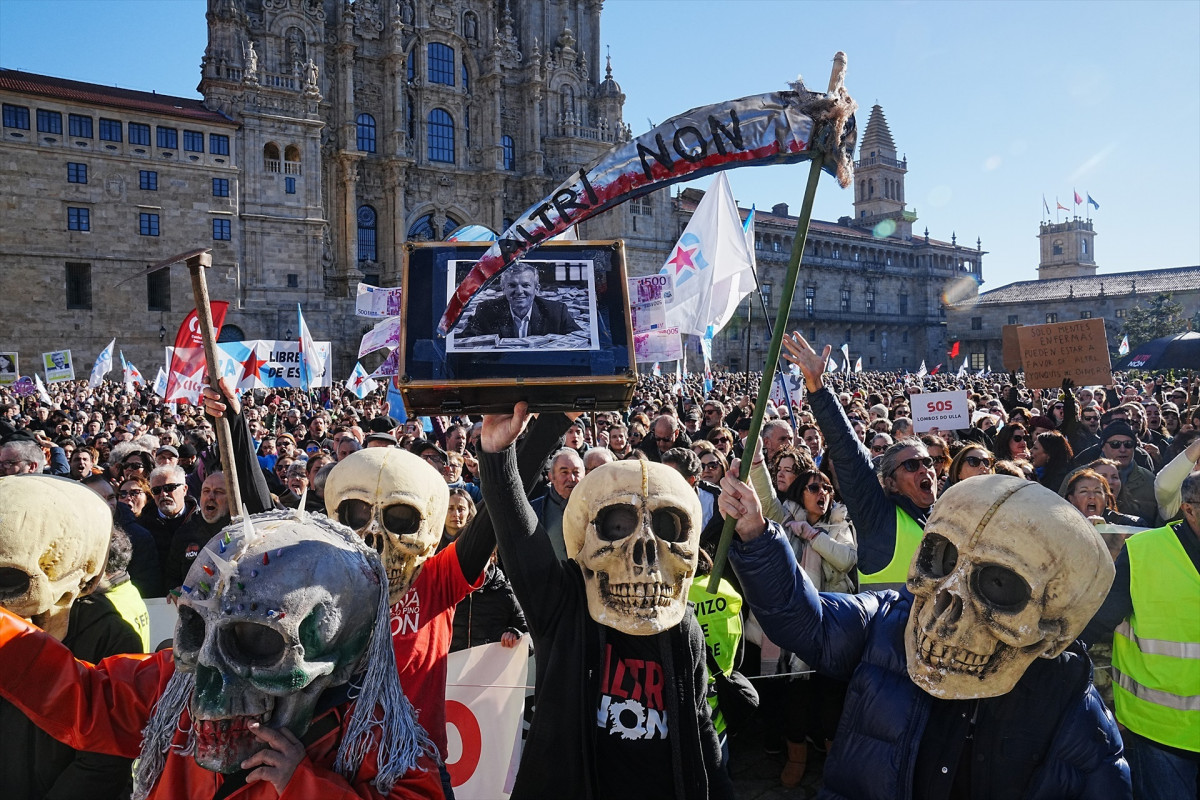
1078 199
1061 207
954 350
934 371
188 357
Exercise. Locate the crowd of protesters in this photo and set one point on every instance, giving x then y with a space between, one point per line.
842 470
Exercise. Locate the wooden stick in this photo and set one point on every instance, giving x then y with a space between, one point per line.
196 265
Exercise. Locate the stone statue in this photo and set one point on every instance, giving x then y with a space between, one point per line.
470 27
251 60
310 79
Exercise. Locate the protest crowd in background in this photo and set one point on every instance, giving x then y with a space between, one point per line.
1120 454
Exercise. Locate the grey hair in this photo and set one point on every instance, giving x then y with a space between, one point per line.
297 469
172 472
889 462
318 481
684 460
560 453
519 267
1189 492
29 451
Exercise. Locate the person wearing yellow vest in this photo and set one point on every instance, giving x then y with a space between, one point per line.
1153 612
889 504
720 620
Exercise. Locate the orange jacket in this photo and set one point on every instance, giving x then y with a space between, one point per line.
103 708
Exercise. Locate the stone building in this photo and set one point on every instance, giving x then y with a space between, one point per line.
348 128
1068 288
865 280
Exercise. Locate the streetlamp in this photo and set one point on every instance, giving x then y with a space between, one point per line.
288 334
162 333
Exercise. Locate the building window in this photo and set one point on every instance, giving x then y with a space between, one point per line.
76 173
291 160
410 122
976 323
79 126
441 136
845 305
148 224
79 219
289 185
218 144
158 291
1119 313
1057 247
1085 315
148 180
366 133
271 160
139 134
1051 317
110 130
1083 246
846 338
870 301
79 286
465 79
766 294
837 253
441 63
412 65
49 122
193 141
978 361
903 304
423 230
904 337
1012 319
293 280
220 187
221 229
366 233
168 138
510 152
810 296
758 243
16 117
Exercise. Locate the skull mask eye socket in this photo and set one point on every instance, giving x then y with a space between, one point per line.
253 644
1002 588
616 522
355 514
401 520
190 634
669 525
938 556
13 583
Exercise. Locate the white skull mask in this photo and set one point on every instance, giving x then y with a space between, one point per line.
269 618
633 527
396 502
1006 572
54 536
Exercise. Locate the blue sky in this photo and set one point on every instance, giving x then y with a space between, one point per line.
994 103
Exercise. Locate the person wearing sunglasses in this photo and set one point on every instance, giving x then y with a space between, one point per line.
170 506
1012 442
971 461
888 504
1118 442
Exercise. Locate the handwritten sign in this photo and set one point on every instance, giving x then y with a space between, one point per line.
1076 350
1010 352
941 410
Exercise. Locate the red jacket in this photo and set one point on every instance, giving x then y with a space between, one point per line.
103 708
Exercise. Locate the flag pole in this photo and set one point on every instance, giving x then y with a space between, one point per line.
787 394
749 335
768 373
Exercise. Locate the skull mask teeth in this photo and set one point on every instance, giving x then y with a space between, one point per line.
396 502
54 536
268 620
631 528
1007 572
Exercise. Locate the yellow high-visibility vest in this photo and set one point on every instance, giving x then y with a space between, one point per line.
908 539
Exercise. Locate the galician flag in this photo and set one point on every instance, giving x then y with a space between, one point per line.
43 395
706 343
922 372
858 364
711 264
846 357
311 365
656 370
831 365
360 383
103 365
130 374
160 383
1123 350
962 370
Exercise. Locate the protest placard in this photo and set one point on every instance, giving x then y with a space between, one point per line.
661 344
1010 352
377 301
9 371
647 288
1076 350
942 410
58 366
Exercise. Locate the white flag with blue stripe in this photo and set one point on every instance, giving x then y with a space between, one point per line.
103 365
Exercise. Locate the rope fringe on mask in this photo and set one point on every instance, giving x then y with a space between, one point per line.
160 730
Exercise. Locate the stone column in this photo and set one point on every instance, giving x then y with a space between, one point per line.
348 270
395 174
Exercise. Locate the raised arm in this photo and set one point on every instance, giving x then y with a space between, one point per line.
252 486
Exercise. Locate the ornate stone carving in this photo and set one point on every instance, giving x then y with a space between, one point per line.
368 19
505 43
441 16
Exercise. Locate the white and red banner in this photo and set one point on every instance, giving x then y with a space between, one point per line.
485 702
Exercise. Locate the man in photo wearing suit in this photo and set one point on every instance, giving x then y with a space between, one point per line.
521 312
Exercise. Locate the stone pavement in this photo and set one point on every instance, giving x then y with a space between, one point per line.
756 774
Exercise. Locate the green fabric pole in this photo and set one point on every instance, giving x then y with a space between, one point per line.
768 372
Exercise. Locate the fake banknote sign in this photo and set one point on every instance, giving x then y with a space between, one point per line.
773 128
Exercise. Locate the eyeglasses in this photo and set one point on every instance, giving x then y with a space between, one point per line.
1057 407
878 448
1123 444
915 464
710 411
1019 437
975 462
166 487
722 440
133 465
709 464
128 494
6 465
818 488
664 439
1089 419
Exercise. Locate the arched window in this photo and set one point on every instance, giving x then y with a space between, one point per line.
441 136
291 160
465 79
412 64
410 119
271 157
423 230
510 152
366 234
441 63
366 133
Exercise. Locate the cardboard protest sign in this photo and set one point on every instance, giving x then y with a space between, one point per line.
376 301
1010 353
58 366
9 371
941 410
1076 350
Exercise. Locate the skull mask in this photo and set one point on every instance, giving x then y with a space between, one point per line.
632 528
271 615
1007 572
54 536
397 504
